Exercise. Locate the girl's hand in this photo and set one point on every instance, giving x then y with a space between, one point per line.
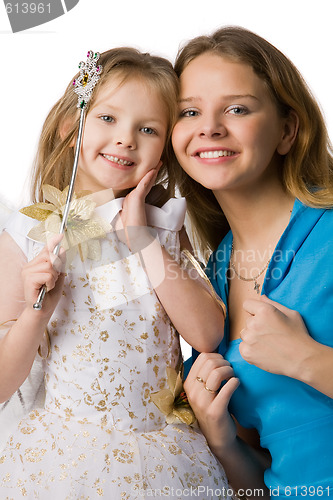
131 225
211 406
45 269
275 338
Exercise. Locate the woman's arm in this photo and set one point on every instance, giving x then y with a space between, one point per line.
191 307
276 340
20 283
244 463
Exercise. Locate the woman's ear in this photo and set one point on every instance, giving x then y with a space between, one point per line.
290 130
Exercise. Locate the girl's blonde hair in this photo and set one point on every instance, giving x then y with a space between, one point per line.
307 170
55 154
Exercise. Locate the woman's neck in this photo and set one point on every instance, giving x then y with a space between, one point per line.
257 219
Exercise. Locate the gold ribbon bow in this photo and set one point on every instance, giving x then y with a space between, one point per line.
84 227
173 402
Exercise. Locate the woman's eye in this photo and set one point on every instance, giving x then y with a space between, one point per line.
237 110
148 130
188 113
107 118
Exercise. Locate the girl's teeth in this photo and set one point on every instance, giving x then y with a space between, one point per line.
215 154
118 160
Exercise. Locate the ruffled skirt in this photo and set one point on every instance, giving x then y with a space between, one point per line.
51 457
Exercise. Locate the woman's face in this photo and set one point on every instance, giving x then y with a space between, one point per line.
229 134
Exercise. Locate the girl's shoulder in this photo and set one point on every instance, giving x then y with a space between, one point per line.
18 226
169 216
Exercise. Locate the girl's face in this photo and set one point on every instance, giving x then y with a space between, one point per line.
229 133
124 137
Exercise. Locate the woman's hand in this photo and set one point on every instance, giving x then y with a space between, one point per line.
209 402
45 269
131 225
275 338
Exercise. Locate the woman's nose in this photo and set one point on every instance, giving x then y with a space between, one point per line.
212 127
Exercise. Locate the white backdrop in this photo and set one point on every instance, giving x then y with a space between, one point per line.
37 64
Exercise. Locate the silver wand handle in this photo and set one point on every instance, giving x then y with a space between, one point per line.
38 304
83 87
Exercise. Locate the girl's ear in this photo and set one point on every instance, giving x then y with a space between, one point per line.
290 130
64 129
160 163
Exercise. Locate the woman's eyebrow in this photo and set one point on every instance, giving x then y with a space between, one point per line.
189 99
226 97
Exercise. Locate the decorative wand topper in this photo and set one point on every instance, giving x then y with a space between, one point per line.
89 76
83 87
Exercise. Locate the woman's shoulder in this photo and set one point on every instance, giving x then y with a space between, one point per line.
309 223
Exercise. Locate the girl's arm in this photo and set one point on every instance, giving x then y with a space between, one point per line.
191 307
20 283
276 340
243 463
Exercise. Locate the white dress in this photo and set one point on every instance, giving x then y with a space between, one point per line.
100 435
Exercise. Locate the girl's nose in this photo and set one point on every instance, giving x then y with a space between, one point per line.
126 140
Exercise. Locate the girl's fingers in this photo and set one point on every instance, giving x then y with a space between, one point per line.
146 183
53 242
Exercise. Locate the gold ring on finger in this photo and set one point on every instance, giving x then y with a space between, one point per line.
201 380
210 390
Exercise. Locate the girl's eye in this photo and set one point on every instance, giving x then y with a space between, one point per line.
237 110
148 130
107 118
188 113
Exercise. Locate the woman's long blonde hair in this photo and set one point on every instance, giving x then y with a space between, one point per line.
55 154
307 169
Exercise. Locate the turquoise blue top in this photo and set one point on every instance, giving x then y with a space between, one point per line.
294 421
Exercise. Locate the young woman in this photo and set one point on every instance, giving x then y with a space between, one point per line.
258 178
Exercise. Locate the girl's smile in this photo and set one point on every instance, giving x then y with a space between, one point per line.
124 136
118 162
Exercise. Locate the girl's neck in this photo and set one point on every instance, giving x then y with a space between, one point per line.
257 219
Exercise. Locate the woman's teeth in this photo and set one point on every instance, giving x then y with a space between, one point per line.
215 154
118 160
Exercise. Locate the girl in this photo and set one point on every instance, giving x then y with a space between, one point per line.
112 344
257 174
